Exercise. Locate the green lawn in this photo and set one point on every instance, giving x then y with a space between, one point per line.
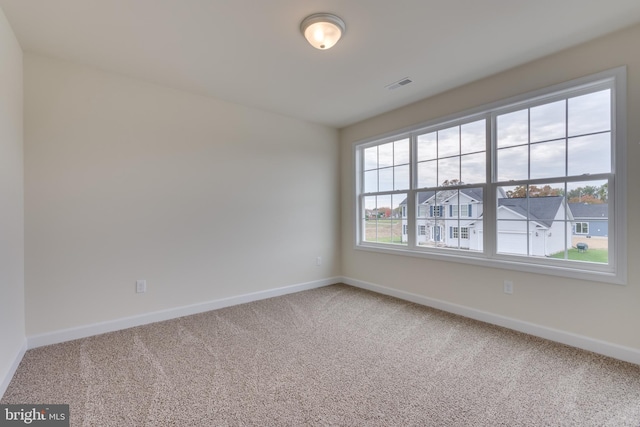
590 255
384 230
395 239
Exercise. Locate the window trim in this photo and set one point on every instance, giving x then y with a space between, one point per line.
615 272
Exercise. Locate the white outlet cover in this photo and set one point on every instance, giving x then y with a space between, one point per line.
508 287
141 286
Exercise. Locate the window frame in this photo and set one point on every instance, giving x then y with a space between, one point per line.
464 231
613 272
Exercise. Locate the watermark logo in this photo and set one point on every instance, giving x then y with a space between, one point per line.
34 415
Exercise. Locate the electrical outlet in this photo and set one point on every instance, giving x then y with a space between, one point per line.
141 286
319 261
508 287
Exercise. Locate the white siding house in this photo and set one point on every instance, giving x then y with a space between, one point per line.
454 219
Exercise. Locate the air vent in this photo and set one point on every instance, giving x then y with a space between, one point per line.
402 82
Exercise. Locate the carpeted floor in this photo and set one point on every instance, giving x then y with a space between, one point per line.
330 356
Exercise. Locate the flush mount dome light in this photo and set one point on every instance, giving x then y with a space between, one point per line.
322 30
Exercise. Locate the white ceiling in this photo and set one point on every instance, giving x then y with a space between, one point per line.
251 51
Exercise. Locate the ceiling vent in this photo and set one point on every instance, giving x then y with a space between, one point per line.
402 82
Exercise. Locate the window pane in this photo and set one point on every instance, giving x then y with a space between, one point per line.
384 231
401 152
471 203
590 192
430 218
370 225
513 237
401 177
452 239
473 137
512 163
371 181
449 171
590 154
383 219
548 159
427 147
449 142
473 168
385 179
385 155
371 158
548 121
589 207
397 220
476 236
590 113
396 232
427 174
451 200
545 208
513 129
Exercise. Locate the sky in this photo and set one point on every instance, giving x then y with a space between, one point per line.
562 138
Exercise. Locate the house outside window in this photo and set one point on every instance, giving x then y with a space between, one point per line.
502 180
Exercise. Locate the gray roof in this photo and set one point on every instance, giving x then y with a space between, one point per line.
541 209
473 193
423 196
587 210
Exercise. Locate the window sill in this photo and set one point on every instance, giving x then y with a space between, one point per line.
504 262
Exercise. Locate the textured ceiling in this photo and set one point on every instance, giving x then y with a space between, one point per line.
251 51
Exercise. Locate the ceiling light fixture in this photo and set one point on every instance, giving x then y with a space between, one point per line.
322 30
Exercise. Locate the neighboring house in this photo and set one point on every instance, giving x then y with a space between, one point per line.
547 233
590 219
455 220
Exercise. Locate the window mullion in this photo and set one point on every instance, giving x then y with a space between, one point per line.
411 194
490 201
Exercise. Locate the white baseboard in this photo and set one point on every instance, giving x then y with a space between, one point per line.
12 369
619 352
616 351
59 336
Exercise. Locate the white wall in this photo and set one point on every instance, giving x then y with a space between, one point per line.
595 310
12 329
204 199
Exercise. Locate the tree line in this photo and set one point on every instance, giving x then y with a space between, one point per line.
589 194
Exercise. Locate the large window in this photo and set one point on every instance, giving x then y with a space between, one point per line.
506 184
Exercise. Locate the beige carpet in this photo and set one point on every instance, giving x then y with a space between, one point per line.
329 356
